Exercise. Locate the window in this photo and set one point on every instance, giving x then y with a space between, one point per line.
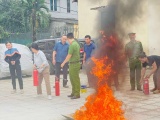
41 45
55 5
75 0
51 5
68 6
51 45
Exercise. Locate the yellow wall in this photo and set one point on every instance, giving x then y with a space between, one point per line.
87 19
76 31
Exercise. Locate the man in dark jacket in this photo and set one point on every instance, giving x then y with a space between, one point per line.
12 57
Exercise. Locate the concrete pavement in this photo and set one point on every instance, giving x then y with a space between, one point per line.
29 106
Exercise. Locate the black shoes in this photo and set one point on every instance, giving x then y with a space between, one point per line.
66 86
65 83
75 97
70 95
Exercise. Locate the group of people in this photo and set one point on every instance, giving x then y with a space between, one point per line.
138 61
66 54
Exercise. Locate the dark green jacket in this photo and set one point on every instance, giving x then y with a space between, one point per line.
133 49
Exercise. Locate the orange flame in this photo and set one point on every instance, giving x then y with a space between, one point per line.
101 105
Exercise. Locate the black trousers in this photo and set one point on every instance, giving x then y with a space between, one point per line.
65 71
15 70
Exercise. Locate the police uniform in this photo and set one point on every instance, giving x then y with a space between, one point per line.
132 50
74 68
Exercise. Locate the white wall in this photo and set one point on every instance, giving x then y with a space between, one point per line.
62 12
133 21
154 27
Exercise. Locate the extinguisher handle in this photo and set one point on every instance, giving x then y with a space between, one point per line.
147 77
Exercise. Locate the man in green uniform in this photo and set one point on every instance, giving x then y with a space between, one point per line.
132 50
74 66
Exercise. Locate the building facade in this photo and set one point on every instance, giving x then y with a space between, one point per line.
64 17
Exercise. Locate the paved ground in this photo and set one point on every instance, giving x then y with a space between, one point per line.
31 107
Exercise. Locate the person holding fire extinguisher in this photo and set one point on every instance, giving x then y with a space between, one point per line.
153 61
60 52
74 66
41 64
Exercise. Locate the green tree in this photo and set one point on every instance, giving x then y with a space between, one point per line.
36 12
11 17
3 34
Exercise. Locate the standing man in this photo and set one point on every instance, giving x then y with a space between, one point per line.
60 52
12 57
132 50
89 47
74 66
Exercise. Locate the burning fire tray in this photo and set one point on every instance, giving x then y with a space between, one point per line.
68 117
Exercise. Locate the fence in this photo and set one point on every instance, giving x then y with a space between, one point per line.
59 31
26 38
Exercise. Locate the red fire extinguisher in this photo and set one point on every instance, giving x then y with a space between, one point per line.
35 77
57 88
146 86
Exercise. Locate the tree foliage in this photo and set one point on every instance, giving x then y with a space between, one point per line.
35 10
17 15
11 17
3 34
